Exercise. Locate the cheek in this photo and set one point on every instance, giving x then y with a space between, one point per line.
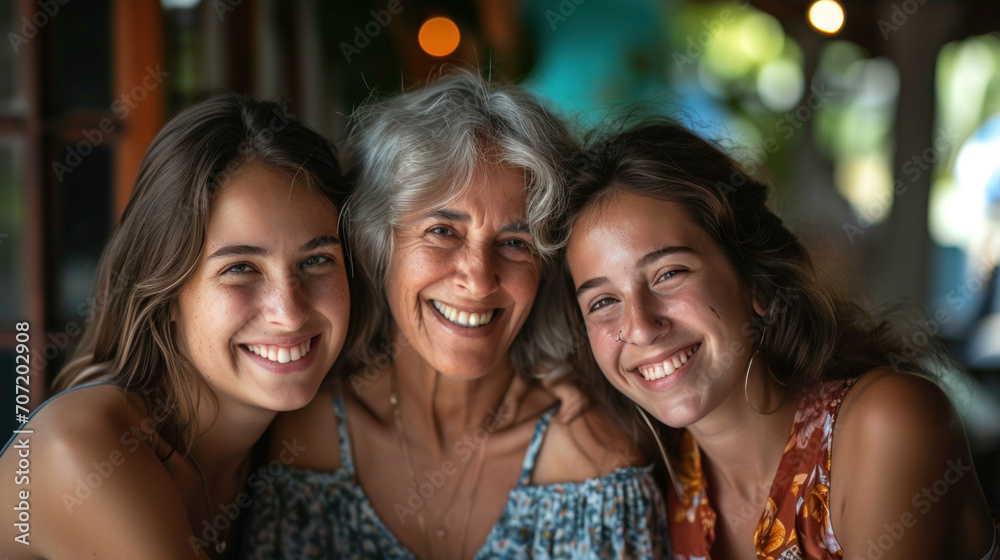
411 273
522 282
603 348
331 296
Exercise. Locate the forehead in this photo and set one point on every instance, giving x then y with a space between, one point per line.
629 217
270 200
617 231
494 190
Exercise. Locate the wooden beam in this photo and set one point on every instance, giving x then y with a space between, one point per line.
139 90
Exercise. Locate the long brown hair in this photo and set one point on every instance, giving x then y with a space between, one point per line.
130 340
819 334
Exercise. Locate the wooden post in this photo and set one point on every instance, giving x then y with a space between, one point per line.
139 85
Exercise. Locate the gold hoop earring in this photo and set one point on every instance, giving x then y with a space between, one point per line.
746 376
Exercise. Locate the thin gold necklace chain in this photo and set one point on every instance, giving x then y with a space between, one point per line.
221 537
411 472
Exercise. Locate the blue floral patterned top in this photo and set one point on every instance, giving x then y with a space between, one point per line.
309 514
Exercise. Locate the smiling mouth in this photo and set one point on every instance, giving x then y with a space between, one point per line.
463 318
281 354
668 366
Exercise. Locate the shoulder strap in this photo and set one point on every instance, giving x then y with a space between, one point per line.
347 463
536 443
31 415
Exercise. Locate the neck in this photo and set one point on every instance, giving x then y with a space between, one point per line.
741 448
449 408
227 433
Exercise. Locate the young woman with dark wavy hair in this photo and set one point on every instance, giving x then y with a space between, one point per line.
795 423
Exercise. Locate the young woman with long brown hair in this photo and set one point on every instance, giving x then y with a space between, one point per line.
222 298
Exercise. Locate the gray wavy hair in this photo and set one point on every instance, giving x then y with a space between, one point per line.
418 151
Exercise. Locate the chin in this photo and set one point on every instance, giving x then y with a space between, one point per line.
675 416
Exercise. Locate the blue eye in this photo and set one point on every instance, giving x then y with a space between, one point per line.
238 269
668 275
439 230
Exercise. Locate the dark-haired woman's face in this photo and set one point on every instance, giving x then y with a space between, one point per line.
265 314
667 317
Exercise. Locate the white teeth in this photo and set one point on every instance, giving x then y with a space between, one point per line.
281 354
463 318
669 365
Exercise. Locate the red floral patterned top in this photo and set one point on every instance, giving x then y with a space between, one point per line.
796 520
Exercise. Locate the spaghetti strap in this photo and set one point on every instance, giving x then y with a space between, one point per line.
534 446
41 406
343 437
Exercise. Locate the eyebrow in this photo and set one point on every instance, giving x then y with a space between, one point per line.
252 251
448 214
646 260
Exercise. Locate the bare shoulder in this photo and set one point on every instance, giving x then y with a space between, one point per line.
590 446
888 413
311 431
900 459
84 420
887 405
88 458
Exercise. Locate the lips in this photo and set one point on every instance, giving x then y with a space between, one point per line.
281 354
669 365
463 318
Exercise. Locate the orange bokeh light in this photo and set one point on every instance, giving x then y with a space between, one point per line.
439 36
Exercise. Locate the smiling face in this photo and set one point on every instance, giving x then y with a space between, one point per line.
265 313
643 268
462 279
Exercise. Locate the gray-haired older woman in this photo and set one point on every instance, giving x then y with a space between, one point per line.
440 443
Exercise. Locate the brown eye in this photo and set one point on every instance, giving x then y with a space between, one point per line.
603 302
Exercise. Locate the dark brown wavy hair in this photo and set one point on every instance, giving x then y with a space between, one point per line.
819 334
129 340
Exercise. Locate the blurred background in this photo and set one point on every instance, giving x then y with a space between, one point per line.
878 122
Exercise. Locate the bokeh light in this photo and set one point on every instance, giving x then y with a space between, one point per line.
827 16
780 84
439 36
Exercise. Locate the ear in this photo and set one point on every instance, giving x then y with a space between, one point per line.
758 307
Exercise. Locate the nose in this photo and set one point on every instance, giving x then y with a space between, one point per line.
286 303
477 271
642 322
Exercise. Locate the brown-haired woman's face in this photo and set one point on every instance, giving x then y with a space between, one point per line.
265 313
462 279
667 317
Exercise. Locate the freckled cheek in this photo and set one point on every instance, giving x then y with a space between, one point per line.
330 297
522 283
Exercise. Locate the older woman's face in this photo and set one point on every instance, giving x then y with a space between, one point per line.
462 278
667 317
